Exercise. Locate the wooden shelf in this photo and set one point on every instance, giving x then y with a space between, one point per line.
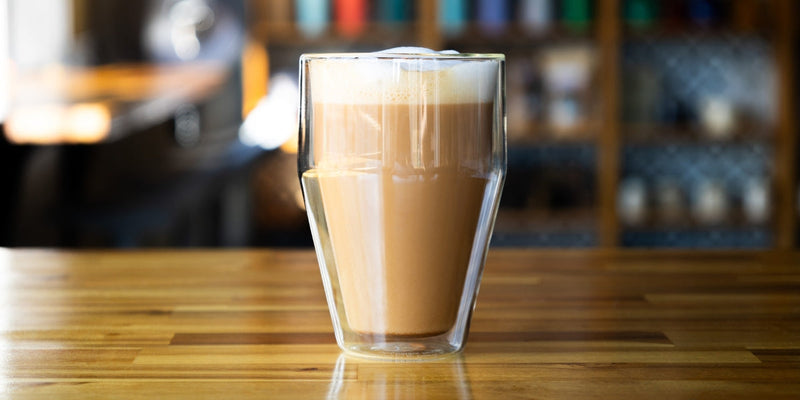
522 143
689 31
532 220
655 134
377 34
515 36
735 221
545 134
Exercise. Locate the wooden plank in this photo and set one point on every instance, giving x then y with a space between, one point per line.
786 139
772 338
608 151
252 338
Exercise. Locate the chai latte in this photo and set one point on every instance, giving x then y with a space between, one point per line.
396 192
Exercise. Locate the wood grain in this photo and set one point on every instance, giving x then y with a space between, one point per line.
785 39
609 41
254 324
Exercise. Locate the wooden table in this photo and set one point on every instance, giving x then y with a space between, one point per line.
104 103
253 324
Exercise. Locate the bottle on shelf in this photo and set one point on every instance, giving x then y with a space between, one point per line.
632 201
394 11
351 17
640 14
576 15
756 200
313 16
567 73
642 94
717 117
535 16
711 202
492 16
452 16
705 13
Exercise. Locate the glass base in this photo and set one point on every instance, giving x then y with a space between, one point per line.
403 349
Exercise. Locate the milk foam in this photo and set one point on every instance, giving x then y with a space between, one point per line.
370 79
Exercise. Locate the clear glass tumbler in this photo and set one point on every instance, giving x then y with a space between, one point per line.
402 161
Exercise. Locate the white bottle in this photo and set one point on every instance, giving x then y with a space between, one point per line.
711 203
536 15
756 200
718 118
632 201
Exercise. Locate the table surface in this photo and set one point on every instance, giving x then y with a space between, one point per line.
133 96
254 324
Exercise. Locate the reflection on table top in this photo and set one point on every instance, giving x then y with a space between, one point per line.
254 324
93 104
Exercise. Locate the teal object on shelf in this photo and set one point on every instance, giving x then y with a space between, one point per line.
394 10
313 16
576 14
452 16
640 13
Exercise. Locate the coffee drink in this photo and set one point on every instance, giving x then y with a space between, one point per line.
402 175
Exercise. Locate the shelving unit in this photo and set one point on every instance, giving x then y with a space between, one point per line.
736 144
551 196
603 148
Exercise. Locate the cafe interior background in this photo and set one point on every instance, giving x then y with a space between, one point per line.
171 123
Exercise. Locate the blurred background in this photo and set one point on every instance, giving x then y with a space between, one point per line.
169 123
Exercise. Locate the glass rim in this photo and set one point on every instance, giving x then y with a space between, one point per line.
403 56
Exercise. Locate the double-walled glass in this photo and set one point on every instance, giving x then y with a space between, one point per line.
402 160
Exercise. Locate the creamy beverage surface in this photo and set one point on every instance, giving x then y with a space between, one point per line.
402 157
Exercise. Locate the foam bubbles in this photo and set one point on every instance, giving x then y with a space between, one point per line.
372 78
414 50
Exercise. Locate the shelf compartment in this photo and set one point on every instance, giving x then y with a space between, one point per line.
753 238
